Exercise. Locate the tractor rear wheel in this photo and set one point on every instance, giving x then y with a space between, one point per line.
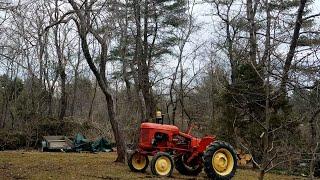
138 162
220 161
162 164
184 169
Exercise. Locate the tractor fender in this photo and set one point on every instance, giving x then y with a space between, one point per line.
204 142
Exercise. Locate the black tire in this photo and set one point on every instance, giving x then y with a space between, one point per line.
211 172
131 162
156 158
184 169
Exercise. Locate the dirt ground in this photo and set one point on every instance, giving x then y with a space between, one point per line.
37 165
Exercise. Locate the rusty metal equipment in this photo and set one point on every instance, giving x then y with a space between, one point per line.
61 143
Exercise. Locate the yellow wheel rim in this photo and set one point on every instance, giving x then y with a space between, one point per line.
139 161
163 166
222 162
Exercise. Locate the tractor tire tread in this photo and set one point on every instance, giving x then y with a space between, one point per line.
182 169
131 166
154 159
213 147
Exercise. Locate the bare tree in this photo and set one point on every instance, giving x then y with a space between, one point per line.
84 25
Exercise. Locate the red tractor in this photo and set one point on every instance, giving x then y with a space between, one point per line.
171 148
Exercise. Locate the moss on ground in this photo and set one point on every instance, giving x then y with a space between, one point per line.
37 165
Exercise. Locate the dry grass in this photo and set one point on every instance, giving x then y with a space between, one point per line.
36 165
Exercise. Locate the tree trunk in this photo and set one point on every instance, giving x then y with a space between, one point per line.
50 101
251 10
115 127
75 84
141 56
293 45
313 141
261 175
233 62
265 138
124 45
146 85
61 71
101 79
63 98
4 111
92 101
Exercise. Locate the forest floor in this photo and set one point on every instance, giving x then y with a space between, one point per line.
48 165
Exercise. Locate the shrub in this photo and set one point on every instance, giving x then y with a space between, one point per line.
11 140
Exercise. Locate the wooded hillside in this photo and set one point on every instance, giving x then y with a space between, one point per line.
245 71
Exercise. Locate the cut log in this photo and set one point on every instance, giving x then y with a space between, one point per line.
243 162
247 157
241 156
239 151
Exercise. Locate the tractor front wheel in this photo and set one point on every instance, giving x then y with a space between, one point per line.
220 161
162 164
188 170
138 162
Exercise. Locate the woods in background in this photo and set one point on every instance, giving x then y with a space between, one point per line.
250 76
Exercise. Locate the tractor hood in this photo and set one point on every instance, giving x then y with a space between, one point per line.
164 127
